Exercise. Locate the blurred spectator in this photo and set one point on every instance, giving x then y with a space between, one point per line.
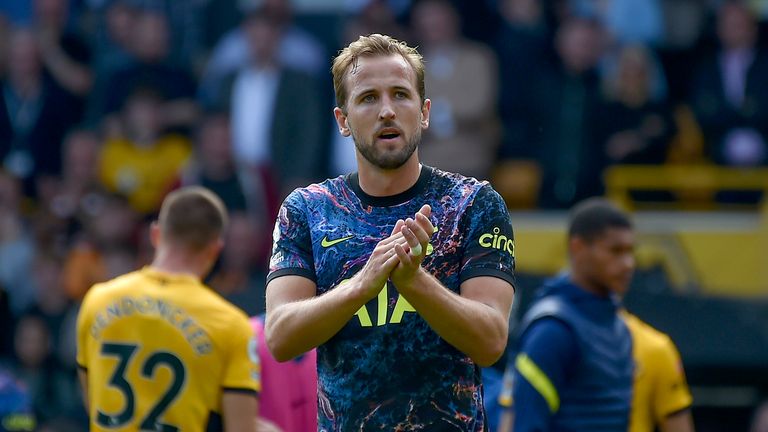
241 272
65 54
78 189
376 16
730 93
16 413
104 249
524 51
17 247
143 163
641 128
685 21
118 18
563 107
151 67
524 48
35 113
213 165
113 51
277 123
296 48
51 390
463 77
55 308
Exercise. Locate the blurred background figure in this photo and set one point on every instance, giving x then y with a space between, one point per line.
50 389
151 66
524 47
145 161
105 247
730 96
296 48
562 107
35 113
213 164
241 271
65 53
15 404
641 125
277 131
17 247
464 128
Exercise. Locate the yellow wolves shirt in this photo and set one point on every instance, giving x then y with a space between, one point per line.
159 350
659 388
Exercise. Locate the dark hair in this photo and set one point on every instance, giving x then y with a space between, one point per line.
192 217
592 217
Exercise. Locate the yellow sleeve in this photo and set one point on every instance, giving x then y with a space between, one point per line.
242 371
84 320
671 390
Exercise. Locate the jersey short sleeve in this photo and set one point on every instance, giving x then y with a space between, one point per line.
292 243
84 319
672 393
490 240
242 371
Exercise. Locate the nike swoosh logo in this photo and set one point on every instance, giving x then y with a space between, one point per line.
328 243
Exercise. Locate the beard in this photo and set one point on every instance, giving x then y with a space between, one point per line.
381 158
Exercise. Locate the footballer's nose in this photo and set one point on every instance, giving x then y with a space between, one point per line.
386 112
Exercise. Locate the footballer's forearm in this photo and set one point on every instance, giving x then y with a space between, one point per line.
474 327
297 323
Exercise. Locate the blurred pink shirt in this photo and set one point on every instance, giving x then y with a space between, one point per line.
288 395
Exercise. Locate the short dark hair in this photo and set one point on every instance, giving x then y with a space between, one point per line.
192 217
592 217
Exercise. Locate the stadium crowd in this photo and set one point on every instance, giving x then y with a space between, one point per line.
107 105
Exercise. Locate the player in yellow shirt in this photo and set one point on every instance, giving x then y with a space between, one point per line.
160 351
660 394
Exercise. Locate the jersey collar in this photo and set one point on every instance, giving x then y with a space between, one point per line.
353 181
153 273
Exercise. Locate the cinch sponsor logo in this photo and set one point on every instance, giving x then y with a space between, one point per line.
497 241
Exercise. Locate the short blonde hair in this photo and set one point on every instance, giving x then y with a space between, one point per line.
374 45
192 217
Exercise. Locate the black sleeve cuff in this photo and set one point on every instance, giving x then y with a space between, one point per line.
295 271
477 272
240 390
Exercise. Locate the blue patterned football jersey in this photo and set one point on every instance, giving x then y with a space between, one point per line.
386 369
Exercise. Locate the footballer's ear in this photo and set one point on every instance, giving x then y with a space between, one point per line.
341 121
425 113
577 245
154 234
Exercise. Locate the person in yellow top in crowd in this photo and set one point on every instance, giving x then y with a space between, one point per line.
160 351
140 160
660 395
